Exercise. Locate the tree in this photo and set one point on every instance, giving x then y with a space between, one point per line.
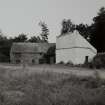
84 30
98 31
45 31
50 53
21 38
39 39
33 39
67 26
2 38
4 48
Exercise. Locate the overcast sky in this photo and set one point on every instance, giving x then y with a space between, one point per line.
23 16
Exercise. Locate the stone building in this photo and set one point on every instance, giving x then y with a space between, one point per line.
30 53
74 48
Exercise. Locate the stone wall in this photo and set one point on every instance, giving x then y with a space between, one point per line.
26 58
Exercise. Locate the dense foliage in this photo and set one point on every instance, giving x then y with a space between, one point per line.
98 31
94 33
20 38
45 32
67 26
50 54
35 39
98 61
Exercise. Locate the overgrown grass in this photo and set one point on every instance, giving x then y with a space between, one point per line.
48 88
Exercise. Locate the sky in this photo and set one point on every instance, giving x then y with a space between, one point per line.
23 16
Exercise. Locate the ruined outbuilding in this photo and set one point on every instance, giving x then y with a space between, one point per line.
30 53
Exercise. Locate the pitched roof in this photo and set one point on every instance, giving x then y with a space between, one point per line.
73 40
30 47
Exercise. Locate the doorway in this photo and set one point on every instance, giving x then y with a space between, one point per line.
86 59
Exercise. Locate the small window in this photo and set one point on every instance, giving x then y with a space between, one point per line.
33 61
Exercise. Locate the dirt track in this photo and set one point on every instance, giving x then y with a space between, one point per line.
55 68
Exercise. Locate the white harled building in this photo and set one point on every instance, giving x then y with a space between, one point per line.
73 47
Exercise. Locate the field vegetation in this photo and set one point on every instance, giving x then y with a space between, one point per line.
19 87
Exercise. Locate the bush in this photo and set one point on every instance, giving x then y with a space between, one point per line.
98 61
61 62
69 63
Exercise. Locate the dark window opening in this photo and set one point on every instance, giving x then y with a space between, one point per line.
86 59
33 61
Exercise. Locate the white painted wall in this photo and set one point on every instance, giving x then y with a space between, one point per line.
75 55
65 55
73 47
81 54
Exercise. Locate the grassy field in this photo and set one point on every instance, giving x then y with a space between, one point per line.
20 86
79 71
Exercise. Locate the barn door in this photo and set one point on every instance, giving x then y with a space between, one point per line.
86 59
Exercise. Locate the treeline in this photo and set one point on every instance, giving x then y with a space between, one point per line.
6 43
94 33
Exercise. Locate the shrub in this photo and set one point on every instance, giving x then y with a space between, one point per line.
61 62
88 65
98 61
69 63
